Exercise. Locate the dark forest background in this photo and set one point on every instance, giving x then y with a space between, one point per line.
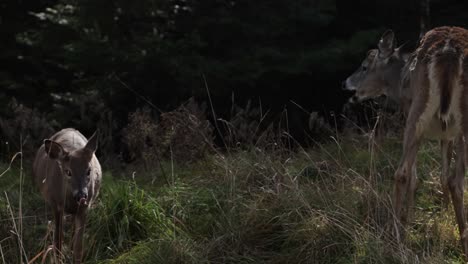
88 64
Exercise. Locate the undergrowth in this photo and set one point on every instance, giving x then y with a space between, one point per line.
328 204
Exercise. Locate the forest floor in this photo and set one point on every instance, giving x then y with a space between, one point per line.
327 204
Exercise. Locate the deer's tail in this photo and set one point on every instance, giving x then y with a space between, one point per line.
446 69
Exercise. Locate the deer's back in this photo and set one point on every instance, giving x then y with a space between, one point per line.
455 38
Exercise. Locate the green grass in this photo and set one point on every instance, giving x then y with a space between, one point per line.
125 215
161 251
329 204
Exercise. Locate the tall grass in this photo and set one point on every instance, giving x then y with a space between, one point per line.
329 204
125 215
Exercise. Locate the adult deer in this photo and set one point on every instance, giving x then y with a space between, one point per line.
431 84
69 177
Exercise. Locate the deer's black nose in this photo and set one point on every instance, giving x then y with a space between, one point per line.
343 85
81 195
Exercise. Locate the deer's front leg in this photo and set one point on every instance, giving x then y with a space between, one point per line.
80 219
410 194
405 175
58 235
406 172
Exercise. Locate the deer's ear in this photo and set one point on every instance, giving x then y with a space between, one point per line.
92 142
387 43
403 52
372 53
54 150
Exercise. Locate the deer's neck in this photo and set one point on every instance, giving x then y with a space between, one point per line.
402 93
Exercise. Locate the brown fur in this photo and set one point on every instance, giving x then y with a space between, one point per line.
447 71
444 46
435 39
69 150
432 87
438 82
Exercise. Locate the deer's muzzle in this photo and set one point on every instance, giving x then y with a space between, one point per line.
82 198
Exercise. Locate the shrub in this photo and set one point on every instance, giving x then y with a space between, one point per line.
139 136
21 128
183 135
247 128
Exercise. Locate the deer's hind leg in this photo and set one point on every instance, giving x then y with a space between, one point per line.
456 187
446 147
456 182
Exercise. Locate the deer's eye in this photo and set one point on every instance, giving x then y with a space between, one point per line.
88 172
68 172
364 68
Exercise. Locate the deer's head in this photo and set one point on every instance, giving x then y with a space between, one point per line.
75 166
380 72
